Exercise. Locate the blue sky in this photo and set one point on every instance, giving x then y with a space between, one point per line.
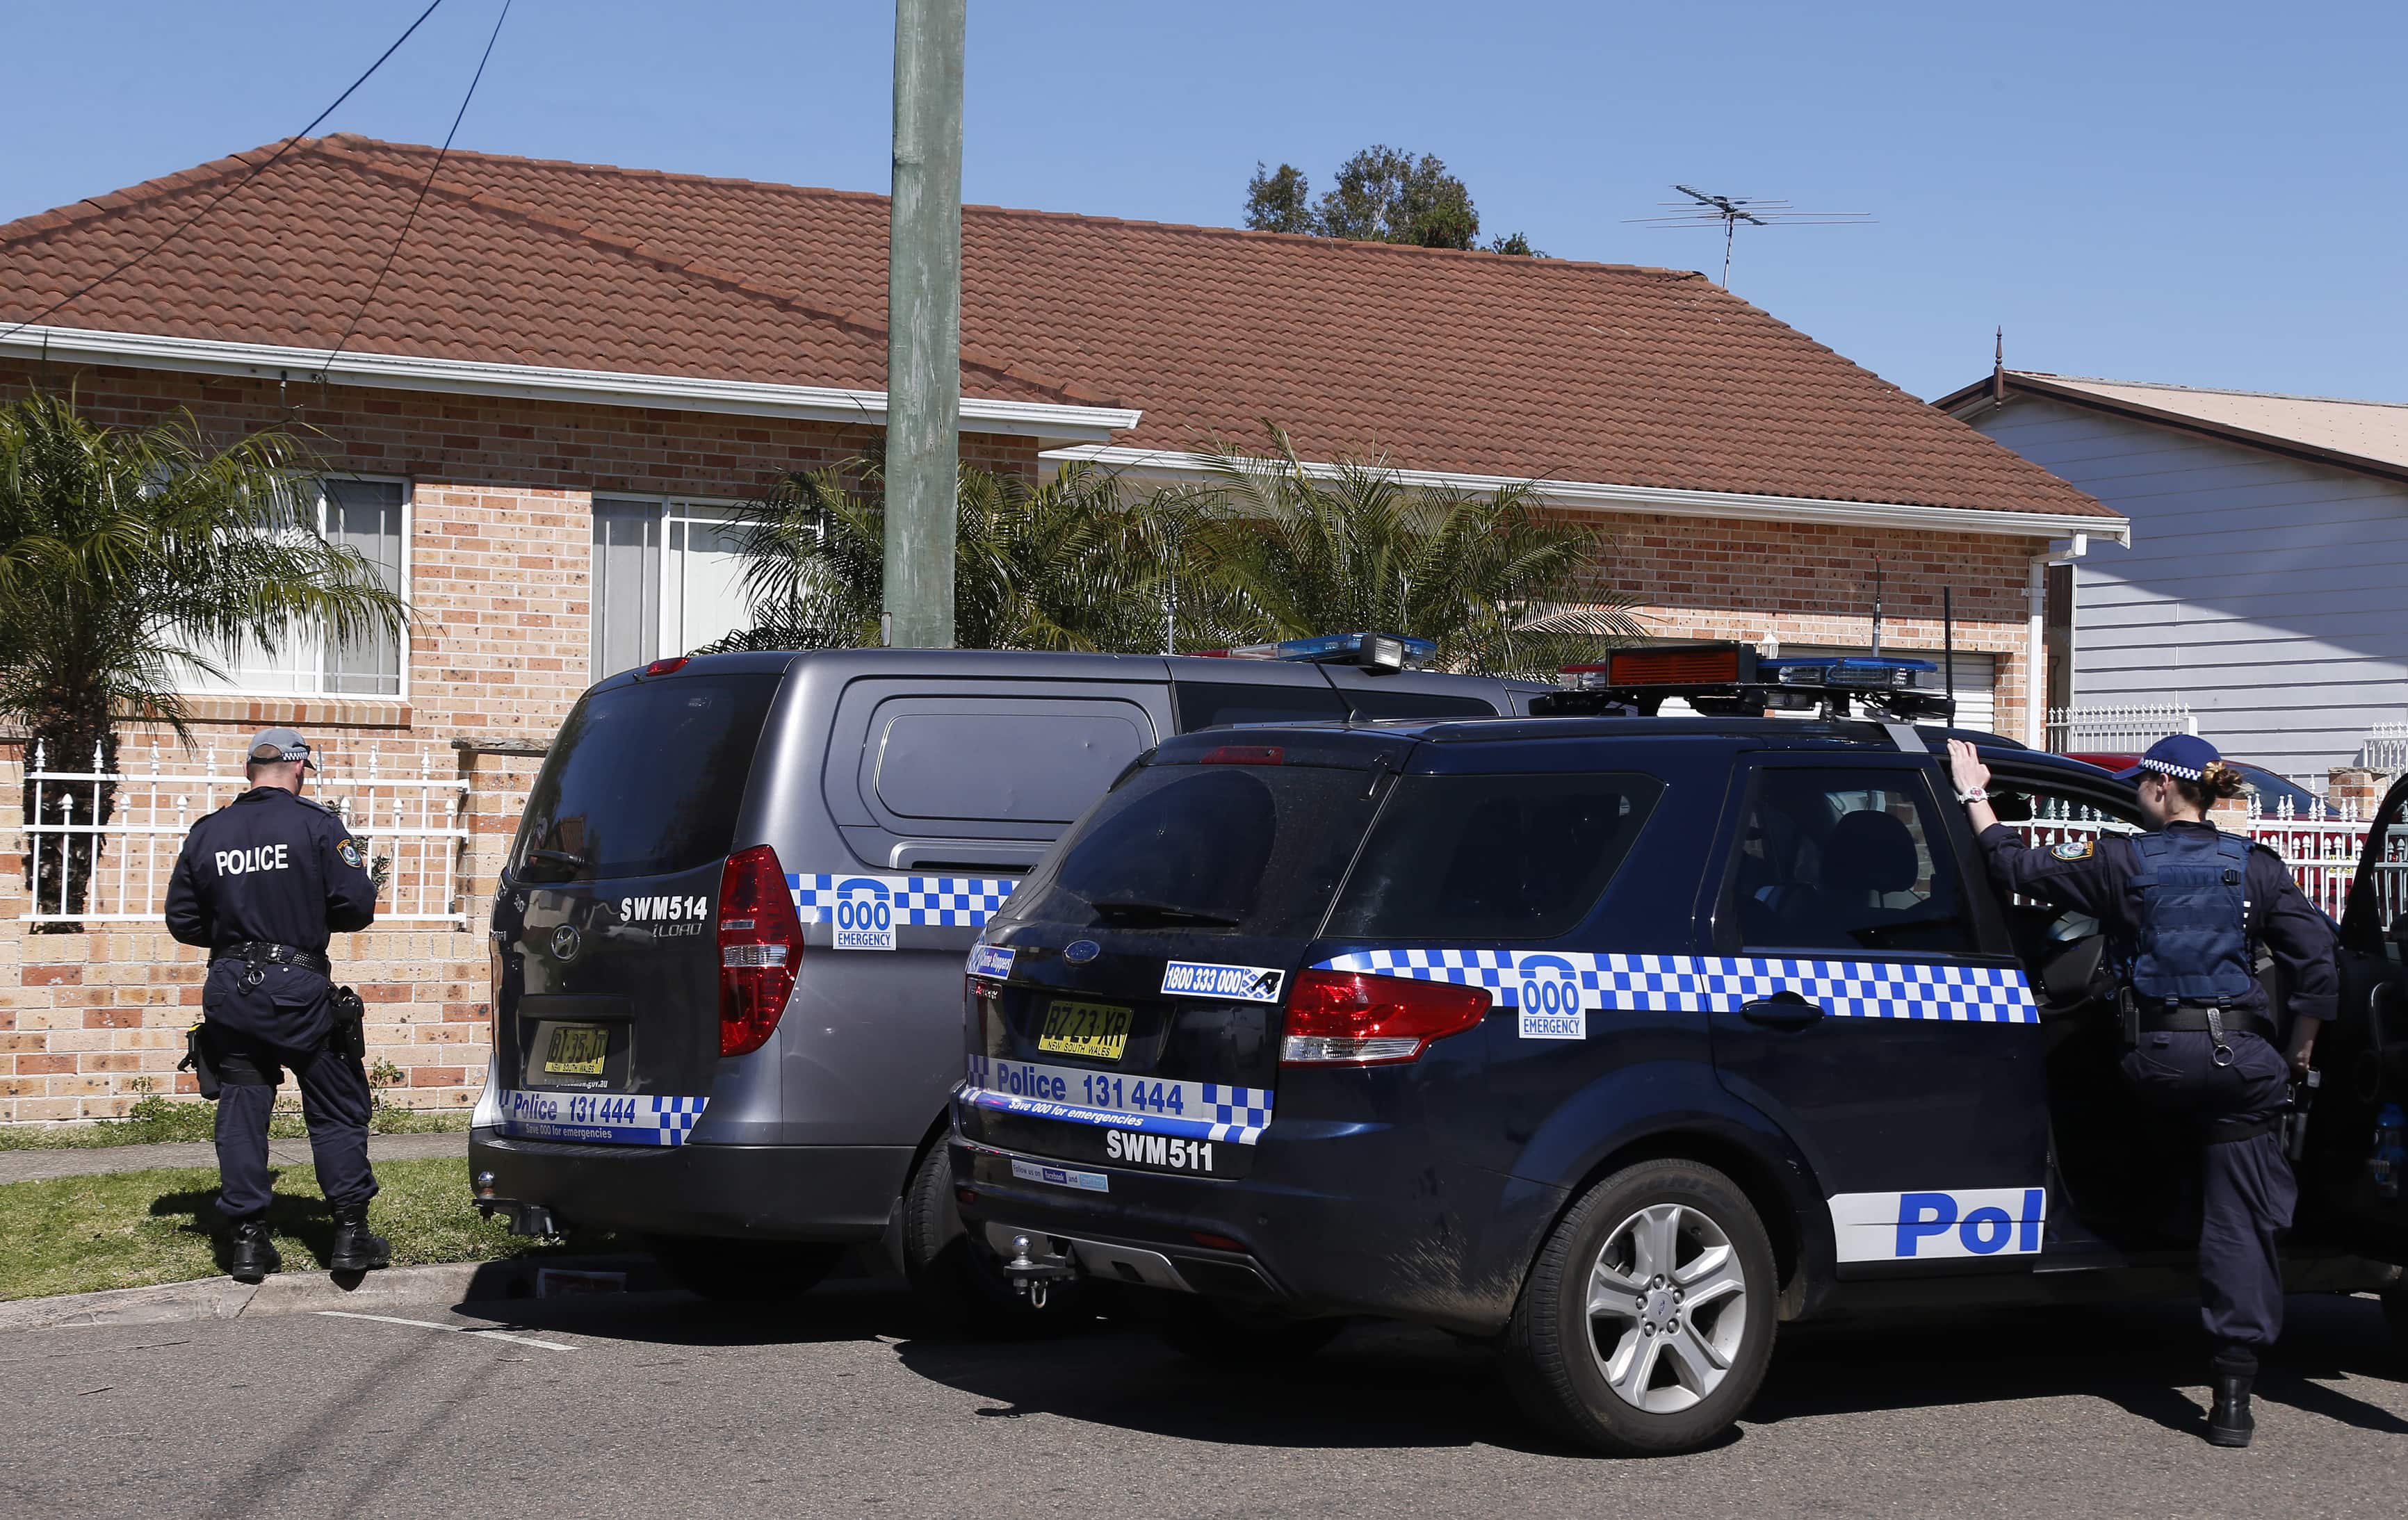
2205 193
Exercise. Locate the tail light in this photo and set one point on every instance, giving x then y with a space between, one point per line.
1348 1018
760 949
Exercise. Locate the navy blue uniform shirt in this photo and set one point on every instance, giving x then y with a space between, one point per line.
2096 878
269 865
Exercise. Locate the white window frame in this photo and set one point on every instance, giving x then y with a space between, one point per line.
319 690
668 508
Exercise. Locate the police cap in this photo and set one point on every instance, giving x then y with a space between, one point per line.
270 745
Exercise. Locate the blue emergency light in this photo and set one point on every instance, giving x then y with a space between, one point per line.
1863 672
1375 650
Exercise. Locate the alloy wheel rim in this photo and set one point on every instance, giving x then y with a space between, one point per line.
1667 1308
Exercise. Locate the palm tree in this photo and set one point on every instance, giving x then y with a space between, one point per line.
1500 585
1068 564
131 557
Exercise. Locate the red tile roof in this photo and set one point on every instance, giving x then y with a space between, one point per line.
1474 363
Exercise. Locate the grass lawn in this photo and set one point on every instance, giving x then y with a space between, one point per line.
155 1119
132 1229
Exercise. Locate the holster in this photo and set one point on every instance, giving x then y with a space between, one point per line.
2128 1017
196 1061
350 1036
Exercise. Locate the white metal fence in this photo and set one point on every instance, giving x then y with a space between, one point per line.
2126 728
2322 849
2384 748
413 828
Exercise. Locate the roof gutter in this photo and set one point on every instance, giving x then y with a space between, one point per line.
1153 464
1045 420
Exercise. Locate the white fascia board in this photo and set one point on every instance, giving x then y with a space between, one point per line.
593 387
1158 463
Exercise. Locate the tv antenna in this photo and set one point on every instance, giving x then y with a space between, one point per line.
1701 209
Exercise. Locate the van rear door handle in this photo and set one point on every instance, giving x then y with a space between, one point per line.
1781 1010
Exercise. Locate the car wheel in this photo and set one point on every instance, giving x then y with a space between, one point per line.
1224 1335
1647 1321
957 1283
744 1271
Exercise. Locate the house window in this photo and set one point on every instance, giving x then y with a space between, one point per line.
667 579
369 516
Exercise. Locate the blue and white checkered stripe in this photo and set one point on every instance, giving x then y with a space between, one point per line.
947 901
1239 1113
1707 984
677 1117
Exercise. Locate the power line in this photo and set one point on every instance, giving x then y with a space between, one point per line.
178 229
411 220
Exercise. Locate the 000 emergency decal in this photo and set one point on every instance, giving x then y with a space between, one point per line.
1941 1225
865 910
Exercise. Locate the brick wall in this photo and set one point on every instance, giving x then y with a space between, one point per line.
501 526
1809 583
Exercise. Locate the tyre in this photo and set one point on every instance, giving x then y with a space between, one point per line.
1223 1335
744 1271
957 1283
1647 1321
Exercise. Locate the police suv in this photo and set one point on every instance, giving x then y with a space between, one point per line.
1618 1040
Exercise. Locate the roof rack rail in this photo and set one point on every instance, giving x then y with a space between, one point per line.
1727 678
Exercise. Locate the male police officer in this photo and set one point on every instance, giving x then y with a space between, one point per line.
2185 908
263 881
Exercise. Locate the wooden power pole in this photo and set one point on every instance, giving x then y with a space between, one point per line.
924 323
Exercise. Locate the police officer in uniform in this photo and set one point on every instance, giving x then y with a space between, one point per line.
263 882
2185 908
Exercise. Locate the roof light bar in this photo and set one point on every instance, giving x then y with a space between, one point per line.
1862 672
1372 650
1730 678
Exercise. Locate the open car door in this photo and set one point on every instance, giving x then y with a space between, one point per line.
2363 1055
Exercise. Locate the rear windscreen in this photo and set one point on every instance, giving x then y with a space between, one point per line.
1505 857
1257 849
644 780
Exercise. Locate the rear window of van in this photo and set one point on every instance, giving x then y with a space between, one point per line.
644 780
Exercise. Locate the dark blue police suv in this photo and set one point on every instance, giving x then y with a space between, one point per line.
1616 1040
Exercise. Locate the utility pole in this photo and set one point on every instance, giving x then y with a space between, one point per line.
924 324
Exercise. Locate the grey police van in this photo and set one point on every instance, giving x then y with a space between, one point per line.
727 945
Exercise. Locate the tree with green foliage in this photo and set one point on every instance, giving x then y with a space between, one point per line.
1502 586
1383 195
1068 564
131 557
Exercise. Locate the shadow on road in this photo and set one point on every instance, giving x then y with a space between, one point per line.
1384 1385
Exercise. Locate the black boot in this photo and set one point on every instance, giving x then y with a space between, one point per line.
355 1249
250 1255
2227 1420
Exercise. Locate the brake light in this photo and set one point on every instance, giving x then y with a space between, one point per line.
760 949
667 667
1244 754
1350 1018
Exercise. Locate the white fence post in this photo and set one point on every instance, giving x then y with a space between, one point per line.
2117 728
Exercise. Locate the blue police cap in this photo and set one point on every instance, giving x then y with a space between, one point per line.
2183 756
270 745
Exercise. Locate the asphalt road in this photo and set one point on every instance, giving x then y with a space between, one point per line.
680 1409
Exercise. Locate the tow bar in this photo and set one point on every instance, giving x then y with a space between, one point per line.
1030 1277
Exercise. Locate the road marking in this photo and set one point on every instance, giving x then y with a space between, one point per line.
456 1330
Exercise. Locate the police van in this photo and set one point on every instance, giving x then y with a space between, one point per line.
1617 1039
727 941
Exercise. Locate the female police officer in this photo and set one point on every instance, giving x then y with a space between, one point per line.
2185 906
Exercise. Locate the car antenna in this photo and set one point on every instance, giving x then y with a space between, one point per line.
1877 606
1948 647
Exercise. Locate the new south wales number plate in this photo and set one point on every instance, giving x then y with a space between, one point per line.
577 1050
1092 1031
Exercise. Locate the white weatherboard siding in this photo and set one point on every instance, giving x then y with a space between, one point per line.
2269 593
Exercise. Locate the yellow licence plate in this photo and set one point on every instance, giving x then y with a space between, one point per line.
576 1051
1097 1031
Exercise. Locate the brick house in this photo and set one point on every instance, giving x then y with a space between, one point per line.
568 372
